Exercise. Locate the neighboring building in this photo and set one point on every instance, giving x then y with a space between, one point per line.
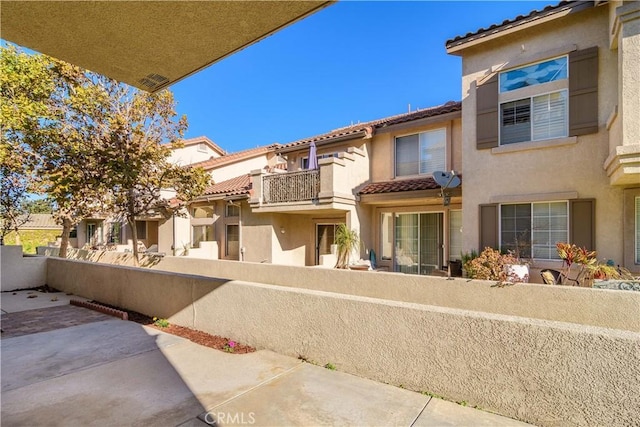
376 177
551 132
195 150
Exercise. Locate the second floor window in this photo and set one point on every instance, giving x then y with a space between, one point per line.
421 153
541 116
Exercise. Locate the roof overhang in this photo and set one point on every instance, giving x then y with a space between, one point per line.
551 13
146 44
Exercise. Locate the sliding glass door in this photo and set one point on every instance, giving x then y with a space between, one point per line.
418 242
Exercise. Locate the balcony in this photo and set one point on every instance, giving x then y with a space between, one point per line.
329 188
291 187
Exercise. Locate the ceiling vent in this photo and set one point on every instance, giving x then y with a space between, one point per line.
153 81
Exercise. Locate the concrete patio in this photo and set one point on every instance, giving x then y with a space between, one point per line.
91 369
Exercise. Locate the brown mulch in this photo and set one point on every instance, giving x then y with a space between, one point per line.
198 337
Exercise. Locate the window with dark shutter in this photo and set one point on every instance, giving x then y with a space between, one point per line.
583 91
582 223
487 114
489 226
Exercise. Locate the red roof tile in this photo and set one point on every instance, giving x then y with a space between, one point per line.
398 185
237 186
369 127
234 157
517 21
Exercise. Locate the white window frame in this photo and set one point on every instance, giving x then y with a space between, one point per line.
531 228
419 150
533 91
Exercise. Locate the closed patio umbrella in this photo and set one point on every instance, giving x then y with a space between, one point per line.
313 157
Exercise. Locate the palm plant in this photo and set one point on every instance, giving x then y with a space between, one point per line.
347 241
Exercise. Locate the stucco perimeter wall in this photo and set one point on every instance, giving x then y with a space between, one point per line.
547 373
597 307
20 272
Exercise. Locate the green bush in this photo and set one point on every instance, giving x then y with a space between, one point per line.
31 239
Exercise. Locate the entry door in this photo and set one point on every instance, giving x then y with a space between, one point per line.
94 233
325 237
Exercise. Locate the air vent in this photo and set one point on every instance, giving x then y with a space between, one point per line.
153 81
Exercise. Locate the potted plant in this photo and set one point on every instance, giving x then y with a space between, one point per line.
346 241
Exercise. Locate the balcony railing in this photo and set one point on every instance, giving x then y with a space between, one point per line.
291 187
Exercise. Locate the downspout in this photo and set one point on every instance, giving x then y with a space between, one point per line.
173 231
241 250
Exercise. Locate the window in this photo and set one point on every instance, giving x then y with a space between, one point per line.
141 229
538 117
232 240
231 211
637 251
202 233
73 233
535 74
534 119
531 230
554 98
422 153
115 233
203 212
386 237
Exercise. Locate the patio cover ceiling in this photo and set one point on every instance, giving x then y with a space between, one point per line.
146 44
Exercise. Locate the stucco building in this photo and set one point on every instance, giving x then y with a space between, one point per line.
551 132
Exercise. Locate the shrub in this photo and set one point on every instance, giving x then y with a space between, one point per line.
489 265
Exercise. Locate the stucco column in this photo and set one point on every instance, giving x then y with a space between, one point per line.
256 187
628 16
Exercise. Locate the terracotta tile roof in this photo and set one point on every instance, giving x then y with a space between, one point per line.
369 127
517 21
398 185
234 157
198 140
237 186
41 221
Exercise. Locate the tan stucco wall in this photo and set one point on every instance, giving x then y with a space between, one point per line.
544 372
239 168
20 272
191 154
541 174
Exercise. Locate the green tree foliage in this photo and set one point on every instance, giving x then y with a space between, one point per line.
47 118
135 157
38 206
91 143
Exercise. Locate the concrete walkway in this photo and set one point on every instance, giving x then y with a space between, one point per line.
114 372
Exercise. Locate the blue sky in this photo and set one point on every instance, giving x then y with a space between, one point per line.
353 61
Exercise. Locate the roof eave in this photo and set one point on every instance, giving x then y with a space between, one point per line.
458 46
359 134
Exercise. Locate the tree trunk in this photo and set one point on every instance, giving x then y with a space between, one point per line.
64 243
131 220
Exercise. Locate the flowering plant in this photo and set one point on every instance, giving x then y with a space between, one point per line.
230 346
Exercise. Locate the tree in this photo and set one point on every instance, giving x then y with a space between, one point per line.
25 90
92 144
38 206
48 129
135 158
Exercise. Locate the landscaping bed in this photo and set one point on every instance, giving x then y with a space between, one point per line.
198 337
